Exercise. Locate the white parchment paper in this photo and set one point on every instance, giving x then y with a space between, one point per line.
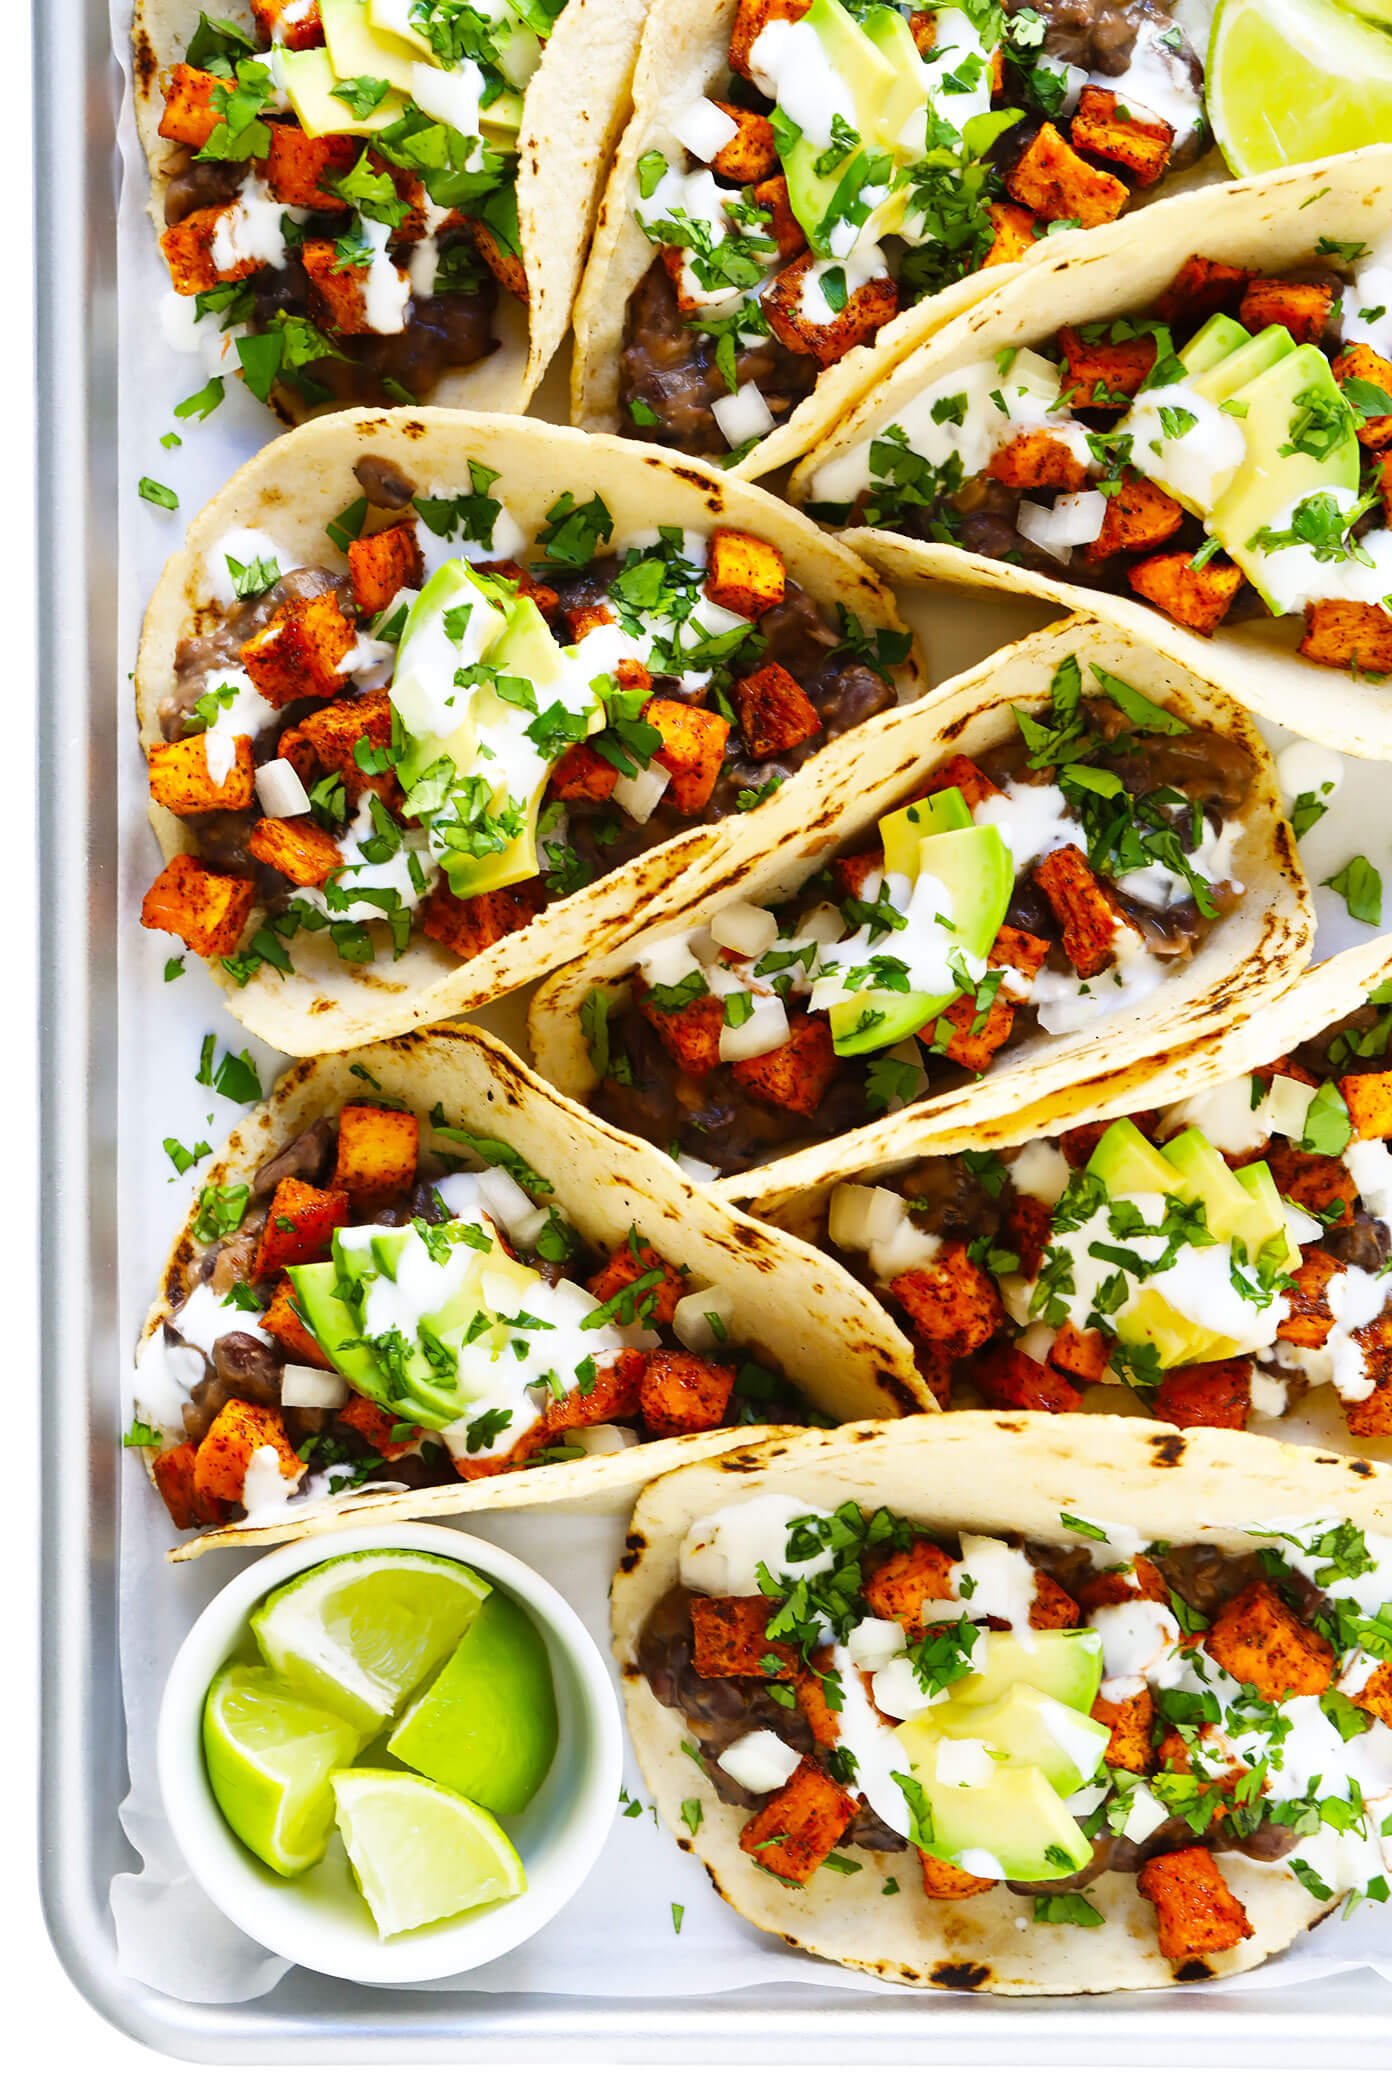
619 1937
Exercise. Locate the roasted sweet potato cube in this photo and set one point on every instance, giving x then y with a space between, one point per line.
381 565
1035 460
1360 361
1375 1697
690 1035
1197 598
1014 950
1201 288
971 1036
1103 372
338 293
1083 1352
377 1152
1368 1099
301 171
797 1075
857 874
952 1302
282 1322
297 22
1385 487
298 848
378 1428
505 264
683 1394
1053 1608
1356 635
190 116
527 585
530 1445
744 574
1088 919
1025 1228
300 650
783 226
659 1300
335 732
208 911
632 674
751 154
225 1453
693 747
1008 1379
300 1226
586 617
1105 1590
1053 181
173 1473
752 17
1315 1181
1207 1395
1102 124
898 1588
798 1828
1196 1915
190 248
865 311
728 1638
1310 1320
1302 308
809 1688
468 927
582 776
1263 1644
962 774
946 1881
182 782
1372 1415
1140 517
614 1395
1129 1723
1013 231
775 712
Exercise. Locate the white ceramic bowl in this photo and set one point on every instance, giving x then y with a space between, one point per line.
320 1919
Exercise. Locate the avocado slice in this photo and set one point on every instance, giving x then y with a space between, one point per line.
1027 1729
309 79
336 1327
1270 1220
1016 1816
358 45
877 87
1130 1166
429 657
1208 1177
1065 1665
902 831
892 37
1216 338
1244 365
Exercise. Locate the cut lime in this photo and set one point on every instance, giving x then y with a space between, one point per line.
1292 80
420 1854
487 1724
270 1758
360 1633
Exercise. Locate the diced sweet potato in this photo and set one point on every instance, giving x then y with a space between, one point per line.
1037 459
774 711
1356 635
1207 1395
1140 517
301 171
1129 1723
520 1454
744 574
338 293
865 311
1261 1643
961 774
300 1226
783 226
1088 919
1053 181
1302 308
298 848
1372 1415
1196 1915
1313 1180
728 1638
381 565
468 927
898 1588
583 776
659 1301
282 1322
1102 124
208 911
506 265
951 1300
586 617
1309 1320
751 154
190 116
1008 1379
632 674
182 782
798 1828
693 747
1144 1583
1014 232
1025 1228
690 1035
1053 1608
377 1152
530 588
1360 361
752 17
1201 288
1081 1351
300 650
1197 599
173 1471
1368 1099
809 1689
1375 1697
855 874
1385 487
614 1395
683 1394
335 731
225 1453
1103 372
967 1035
189 250
945 1881
378 1428
298 21
797 1075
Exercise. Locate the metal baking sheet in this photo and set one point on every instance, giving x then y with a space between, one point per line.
84 735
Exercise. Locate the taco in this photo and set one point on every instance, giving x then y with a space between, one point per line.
1188 422
1205 1237
1040 872
368 202
433 702
808 189
420 1281
1007 1704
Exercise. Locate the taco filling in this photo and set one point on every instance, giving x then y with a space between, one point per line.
1222 456
859 159
341 202
1222 1258
442 740
1034 888
375 1307
1025 1717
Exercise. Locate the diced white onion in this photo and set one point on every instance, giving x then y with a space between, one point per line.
703 128
759 1762
1075 518
282 794
691 1322
668 962
748 930
697 1170
1074 78
640 795
300 1386
502 1198
525 1232
602 1440
1289 1104
766 1028
860 1217
1037 1340
823 923
742 416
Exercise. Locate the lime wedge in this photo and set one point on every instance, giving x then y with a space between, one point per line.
360 1633
420 1854
270 1757
1292 80
487 1724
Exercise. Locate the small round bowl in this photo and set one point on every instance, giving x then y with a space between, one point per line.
320 1919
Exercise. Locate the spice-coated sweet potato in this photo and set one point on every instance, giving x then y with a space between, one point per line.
381 565
857 874
337 291
1140 517
300 1226
1053 1608
683 1394
379 1428
1013 233
282 1322
960 773
693 747
865 311
951 1300
946 1881
971 1036
527 585
1054 181
1102 124
1315 1181
182 782
659 1300
614 1395
296 23
467 927
774 712
751 154
1144 1583
301 171
207 910
752 17
335 732
1207 1395
1360 361
504 263
809 1687
1081 1351
1309 1320
1025 1229
800 1825
1385 487
690 1035
1103 372
1088 919
1037 459
1372 1415
1009 1379
1197 597
300 650
1260 1642
225 1453
1202 287
1375 1697
377 1152
175 1474
190 114
1302 308
783 228
744 574
728 1637
513 1459
189 248
298 848
797 1075
898 1588
1356 635
586 617
1129 1724
1368 1098
1196 1915
582 776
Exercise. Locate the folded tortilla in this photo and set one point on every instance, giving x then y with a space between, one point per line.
297 485
1261 945
573 110
1011 1475
1272 222
794 1306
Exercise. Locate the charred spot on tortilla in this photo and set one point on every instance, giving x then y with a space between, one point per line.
1169 1449
966 1977
1193 1970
